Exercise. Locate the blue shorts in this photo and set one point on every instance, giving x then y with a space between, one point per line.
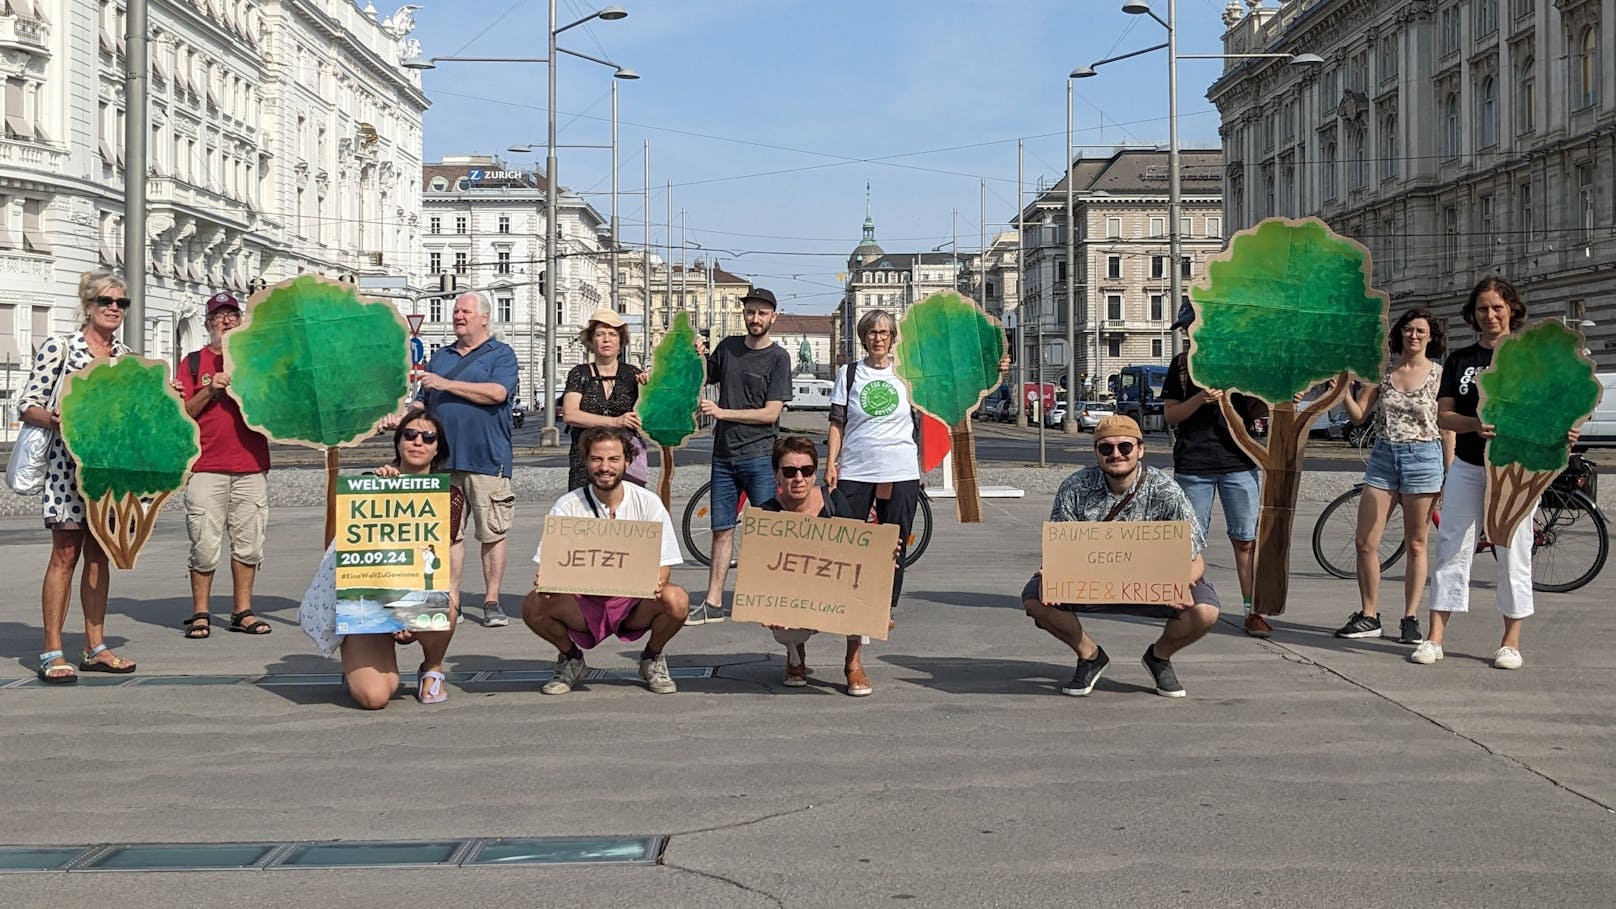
1239 492
1411 467
754 476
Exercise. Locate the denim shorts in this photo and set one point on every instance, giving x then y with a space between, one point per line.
754 476
1411 467
1241 496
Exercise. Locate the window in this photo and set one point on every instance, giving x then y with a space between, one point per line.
502 262
1450 125
1526 97
1390 162
1214 225
1156 348
460 263
1158 227
1484 224
1523 8
1358 168
1187 267
1113 267
1585 84
1113 347
434 309
1450 236
434 263
1524 212
502 308
560 317
1157 304
1487 112
1113 228
33 226
1329 169
1113 307
460 224
1486 18
504 224
1450 30
1158 266
1585 201
1388 58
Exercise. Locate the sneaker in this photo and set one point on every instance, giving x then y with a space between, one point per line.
1409 631
1087 673
697 615
716 612
1162 670
494 616
1360 626
568 673
1257 626
1507 658
655 673
1426 654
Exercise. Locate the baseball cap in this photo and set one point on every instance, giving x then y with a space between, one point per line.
1118 425
761 295
222 300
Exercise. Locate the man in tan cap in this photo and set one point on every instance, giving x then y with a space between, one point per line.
1121 488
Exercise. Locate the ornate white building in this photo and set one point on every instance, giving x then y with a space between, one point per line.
1454 138
285 137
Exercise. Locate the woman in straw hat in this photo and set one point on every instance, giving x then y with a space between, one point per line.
602 391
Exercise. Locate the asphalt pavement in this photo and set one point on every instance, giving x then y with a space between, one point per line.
1301 770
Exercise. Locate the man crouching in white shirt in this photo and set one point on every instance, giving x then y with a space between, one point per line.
577 622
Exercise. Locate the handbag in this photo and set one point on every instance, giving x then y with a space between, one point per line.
28 465
639 464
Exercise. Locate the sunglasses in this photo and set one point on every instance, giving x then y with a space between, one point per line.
1106 448
792 473
425 435
120 302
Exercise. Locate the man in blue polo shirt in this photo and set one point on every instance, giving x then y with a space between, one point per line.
470 385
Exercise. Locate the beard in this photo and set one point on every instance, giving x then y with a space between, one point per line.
606 481
757 331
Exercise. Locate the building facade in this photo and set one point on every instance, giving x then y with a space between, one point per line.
285 137
1121 256
711 295
877 279
1454 138
808 340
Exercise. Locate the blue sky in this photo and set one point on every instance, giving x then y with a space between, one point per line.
769 116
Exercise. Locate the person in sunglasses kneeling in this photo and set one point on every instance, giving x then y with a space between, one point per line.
1121 488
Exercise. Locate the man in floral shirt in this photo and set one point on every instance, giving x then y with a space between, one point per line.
1121 488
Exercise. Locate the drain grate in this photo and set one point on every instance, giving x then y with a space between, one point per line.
333 679
449 853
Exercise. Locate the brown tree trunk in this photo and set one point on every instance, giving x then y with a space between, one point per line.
665 478
967 500
123 524
333 463
1512 493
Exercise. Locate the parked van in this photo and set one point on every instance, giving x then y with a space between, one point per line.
1600 430
809 393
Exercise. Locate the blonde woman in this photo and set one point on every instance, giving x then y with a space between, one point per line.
601 392
103 299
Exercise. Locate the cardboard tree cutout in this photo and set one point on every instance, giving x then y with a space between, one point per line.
1539 388
1287 305
315 364
949 352
127 431
667 406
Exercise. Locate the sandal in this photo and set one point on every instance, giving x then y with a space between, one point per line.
198 626
239 622
113 663
54 673
429 686
858 684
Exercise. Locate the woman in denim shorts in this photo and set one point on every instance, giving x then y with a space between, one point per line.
1406 467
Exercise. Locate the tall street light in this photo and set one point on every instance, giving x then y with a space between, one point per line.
549 437
1174 238
1068 421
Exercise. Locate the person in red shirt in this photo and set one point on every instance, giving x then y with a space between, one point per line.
227 497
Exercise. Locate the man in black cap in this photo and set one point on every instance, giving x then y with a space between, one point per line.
753 375
1208 463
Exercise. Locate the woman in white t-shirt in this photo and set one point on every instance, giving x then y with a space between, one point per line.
874 458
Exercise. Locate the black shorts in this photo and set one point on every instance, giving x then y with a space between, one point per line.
1200 592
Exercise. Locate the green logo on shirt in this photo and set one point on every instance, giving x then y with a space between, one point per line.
878 398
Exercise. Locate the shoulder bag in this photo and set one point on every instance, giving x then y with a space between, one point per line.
28 465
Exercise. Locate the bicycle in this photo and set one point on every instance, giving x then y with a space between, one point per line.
696 527
1570 535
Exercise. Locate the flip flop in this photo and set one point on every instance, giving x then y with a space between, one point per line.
64 674
429 686
117 665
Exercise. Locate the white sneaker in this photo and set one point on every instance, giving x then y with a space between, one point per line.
1507 658
568 673
1426 654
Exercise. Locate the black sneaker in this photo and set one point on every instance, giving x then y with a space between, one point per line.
1360 626
1162 671
1409 631
1088 672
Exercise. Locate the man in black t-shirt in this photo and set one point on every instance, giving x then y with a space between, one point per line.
1208 463
753 375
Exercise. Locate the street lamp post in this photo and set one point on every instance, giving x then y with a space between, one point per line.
1068 423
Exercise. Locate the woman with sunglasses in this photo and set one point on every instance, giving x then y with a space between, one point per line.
370 661
103 299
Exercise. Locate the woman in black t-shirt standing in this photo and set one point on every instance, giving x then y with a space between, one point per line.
1494 310
594 395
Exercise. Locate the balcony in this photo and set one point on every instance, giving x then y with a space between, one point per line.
32 154
25 33
166 190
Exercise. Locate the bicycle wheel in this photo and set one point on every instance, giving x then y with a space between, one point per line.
1336 533
919 532
1569 541
697 525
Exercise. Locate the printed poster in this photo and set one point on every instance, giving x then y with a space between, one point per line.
392 549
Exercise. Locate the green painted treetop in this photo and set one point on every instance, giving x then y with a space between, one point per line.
316 365
667 405
949 352
127 429
1539 387
1286 306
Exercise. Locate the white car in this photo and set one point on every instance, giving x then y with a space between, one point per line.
1090 413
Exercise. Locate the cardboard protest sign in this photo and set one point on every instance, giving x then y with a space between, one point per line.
127 432
1286 306
392 552
949 352
667 405
1540 386
600 556
828 574
1120 562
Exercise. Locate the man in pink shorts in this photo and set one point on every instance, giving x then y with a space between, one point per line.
576 622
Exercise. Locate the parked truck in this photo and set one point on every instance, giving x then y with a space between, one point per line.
1138 391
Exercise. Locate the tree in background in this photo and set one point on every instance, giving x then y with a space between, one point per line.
667 405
